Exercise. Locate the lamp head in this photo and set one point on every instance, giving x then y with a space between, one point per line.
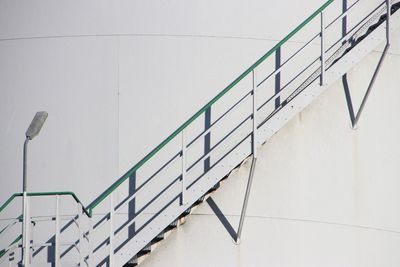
36 125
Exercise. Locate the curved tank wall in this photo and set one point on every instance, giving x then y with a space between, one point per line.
118 76
323 194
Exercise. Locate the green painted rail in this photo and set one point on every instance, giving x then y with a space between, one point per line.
38 194
115 185
89 209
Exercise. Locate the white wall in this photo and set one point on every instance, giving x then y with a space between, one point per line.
117 77
323 194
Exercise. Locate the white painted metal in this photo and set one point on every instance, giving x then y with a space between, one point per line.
111 234
164 216
57 233
25 231
81 233
322 49
327 203
254 159
90 239
254 112
183 199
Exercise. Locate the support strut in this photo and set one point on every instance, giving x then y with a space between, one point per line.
371 84
356 117
246 199
253 162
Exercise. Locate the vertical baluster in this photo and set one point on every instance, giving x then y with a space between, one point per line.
25 231
90 240
183 198
57 233
80 232
253 163
322 81
254 148
111 245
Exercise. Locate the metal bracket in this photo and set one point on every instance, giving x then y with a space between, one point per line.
253 162
356 117
246 200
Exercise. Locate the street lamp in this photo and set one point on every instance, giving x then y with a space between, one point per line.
32 132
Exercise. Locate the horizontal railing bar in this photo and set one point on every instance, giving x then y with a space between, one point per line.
45 218
220 118
11 224
133 220
40 194
204 108
52 244
105 219
298 75
290 58
342 39
99 222
152 218
278 94
102 222
69 248
286 101
90 208
127 200
218 161
350 32
295 94
152 201
101 245
342 15
218 143
140 212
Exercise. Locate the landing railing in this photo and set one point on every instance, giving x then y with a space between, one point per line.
182 168
12 227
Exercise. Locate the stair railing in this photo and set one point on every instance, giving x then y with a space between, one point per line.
186 163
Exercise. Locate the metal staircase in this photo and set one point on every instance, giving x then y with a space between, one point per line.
123 224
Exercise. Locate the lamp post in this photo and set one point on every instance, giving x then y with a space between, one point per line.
32 132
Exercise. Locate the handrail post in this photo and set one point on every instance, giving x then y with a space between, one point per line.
80 232
111 245
57 233
90 240
254 106
253 163
25 231
183 197
25 210
322 33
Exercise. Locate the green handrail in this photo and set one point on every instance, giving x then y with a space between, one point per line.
9 200
89 209
116 184
37 194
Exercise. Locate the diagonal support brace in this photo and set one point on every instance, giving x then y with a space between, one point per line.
371 84
253 162
246 199
356 118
